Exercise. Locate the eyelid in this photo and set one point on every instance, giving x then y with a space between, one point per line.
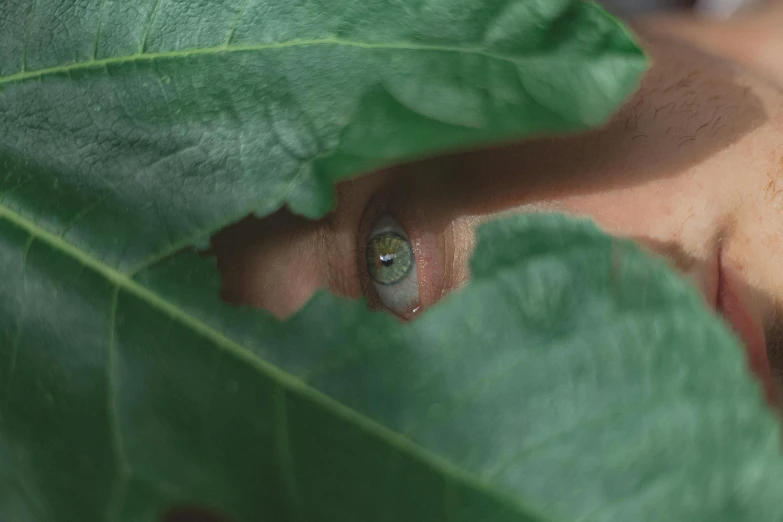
387 223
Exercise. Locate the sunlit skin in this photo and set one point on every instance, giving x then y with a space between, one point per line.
691 167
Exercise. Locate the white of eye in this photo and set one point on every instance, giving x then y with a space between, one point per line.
391 265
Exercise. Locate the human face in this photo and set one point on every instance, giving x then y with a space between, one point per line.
690 168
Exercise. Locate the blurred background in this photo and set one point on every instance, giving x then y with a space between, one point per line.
749 32
715 8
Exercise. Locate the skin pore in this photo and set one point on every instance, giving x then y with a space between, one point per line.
691 167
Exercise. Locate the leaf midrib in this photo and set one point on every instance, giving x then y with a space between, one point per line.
287 381
403 46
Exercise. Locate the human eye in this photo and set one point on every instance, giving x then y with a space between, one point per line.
391 266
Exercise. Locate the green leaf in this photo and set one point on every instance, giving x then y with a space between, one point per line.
132 130
512 401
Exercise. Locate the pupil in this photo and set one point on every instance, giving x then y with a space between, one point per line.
387 259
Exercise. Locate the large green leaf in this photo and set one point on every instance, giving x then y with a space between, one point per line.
575 379
131 129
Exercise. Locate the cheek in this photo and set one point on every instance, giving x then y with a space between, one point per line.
278 278
668 209
271 263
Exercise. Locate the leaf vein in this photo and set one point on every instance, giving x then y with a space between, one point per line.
153 14
123 466
27 32
240 15
388 46
85 211
285 457
111 384
98 30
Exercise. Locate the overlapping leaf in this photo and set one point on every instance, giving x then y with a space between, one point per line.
131 129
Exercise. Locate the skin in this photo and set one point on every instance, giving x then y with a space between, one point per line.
691 167
752 38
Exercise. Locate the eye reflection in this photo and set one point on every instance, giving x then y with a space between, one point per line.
391 265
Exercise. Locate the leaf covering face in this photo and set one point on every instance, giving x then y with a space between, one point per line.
130 132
